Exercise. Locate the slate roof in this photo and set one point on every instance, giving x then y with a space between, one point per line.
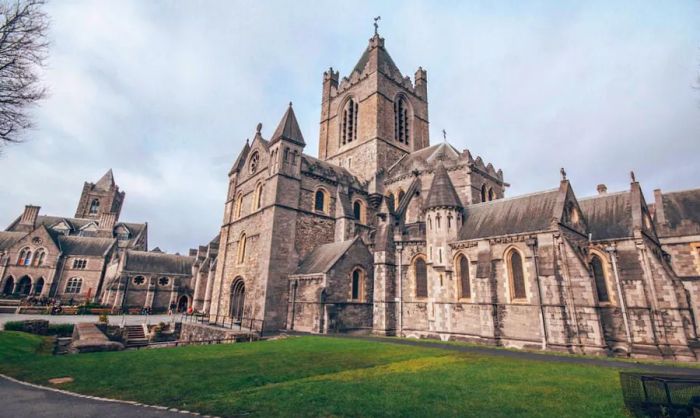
77 223
383 57
609 216
515 215
8 239
442 193
106 182
324 257
682 213
159 263
325 169
88 246
288 129
240 161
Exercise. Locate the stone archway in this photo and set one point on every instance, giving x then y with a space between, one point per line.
237 299
183 303
9 286
24 286
38 286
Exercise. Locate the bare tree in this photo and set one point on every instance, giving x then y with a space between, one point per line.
23 51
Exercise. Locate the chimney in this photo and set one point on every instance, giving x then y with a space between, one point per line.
602 189
659 212
29 215
107 221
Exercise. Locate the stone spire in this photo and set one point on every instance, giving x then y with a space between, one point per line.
288 129
442 192
106 182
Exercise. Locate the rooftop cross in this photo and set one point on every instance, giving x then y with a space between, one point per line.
376 25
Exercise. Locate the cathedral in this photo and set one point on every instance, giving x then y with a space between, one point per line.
385 233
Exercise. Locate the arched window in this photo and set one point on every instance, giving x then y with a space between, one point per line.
286 155
517 275
449 221
27 259
241 249
462 267
295 155
254 162
74 284
94 206
237 299
9 286
601 284
401 120
39 257
420 272
348 130
22 255
430 223
483 193
258 197
357 284
238 206
437 221
491 195
358 211
38 286
320 201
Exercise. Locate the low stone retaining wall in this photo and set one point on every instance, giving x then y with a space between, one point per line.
199 332
88 338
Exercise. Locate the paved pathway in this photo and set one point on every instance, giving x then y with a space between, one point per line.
19 401
74 319
527 355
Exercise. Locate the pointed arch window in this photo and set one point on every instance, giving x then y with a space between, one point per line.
348 131
321 203
242 242
254 162
39 257
238 206
517 275
462 268
491 194
483 193
358 210
420 272
258 197
401 120
25 257
601 283
94 206
357 284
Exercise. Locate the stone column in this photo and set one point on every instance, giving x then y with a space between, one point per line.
209 289
150 293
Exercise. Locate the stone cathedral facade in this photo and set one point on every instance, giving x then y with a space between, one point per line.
385 233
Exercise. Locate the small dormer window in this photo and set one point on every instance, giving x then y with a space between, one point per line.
254 161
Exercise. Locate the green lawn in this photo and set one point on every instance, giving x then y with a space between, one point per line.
315 376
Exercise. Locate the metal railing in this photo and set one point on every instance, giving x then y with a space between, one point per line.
669 395
250 324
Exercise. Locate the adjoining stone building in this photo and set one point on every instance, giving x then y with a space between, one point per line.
385 233
91 256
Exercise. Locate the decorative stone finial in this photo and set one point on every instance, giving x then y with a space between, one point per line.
634 179
376 25
444 135
258 128
563 174
290 104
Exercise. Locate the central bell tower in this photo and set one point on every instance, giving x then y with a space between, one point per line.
374 116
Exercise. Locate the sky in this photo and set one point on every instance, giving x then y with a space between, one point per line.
166 92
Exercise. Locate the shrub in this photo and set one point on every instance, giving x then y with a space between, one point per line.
61 330
104 319
14 326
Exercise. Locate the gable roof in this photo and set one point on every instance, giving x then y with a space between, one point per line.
515 215
609 216
442 193
88 246
681 213
324 257
159 263
288 129
240 161
8 239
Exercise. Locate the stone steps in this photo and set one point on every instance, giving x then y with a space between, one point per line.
135 337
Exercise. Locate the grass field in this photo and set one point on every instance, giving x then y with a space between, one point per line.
316 376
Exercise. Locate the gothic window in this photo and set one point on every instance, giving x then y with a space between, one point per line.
39 286
295 155
440 255
238 206
321 201
420 272
237 301
430 223
517 275
286 155
491 195
39 257
483 193
24 257
401 120
357 284
254 161
74 284
601 285
358 211
257 197
449 221
139 280
462 268
94 206
241 249
437 221
348 131
163 281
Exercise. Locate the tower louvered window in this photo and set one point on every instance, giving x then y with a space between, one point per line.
348 131
401 124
